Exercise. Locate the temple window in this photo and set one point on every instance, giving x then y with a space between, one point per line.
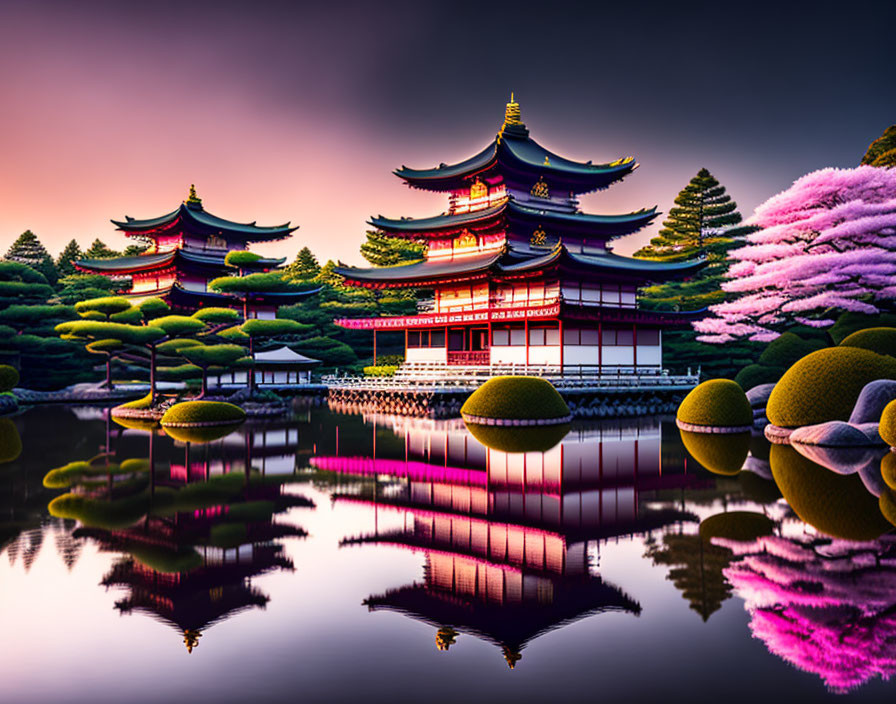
509 335
618 337
649 337
466 240
580 336
540 337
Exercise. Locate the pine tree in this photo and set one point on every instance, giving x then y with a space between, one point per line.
383 250
28 250
134 250
305 266
71 253
882 151
99 250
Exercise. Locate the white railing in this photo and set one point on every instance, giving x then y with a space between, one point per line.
436 375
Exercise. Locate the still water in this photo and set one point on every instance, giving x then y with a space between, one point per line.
349 558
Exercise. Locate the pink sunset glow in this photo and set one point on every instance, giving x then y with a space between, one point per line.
291 113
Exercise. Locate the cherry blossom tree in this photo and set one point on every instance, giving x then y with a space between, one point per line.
828 245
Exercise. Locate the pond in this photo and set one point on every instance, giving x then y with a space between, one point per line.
341 558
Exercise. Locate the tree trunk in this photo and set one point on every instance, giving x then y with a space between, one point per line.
152 374
252 368
108 371
204 390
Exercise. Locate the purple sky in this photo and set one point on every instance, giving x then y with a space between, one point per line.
279 112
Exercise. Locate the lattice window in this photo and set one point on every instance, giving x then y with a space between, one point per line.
478 189
465 239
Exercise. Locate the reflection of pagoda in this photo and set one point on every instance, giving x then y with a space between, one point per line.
186 251
507 538
206 532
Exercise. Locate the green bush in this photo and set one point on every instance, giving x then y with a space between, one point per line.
380 370
138 404
719 453
531 438
887 428
743 526
717 402
880 340
825 385
517 398
786 350
241 257
203 412
181 372
162 559
838 505
755 374
97 513
217 315
200 434
849 323
9 377
10 441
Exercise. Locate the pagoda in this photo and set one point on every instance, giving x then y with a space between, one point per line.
519 274
186 250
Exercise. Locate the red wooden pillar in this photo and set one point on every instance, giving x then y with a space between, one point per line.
374 347
600 347
405 344
560 327
635 347
526 333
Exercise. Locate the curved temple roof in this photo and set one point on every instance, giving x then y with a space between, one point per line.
586 223
514 151
517 260
195 220
148 262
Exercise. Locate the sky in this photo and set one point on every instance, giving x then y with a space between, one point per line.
290 111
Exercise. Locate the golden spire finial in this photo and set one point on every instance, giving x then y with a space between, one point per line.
191 639
193 199
512 115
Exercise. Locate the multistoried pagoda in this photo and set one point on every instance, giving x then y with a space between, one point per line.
186 250
516 267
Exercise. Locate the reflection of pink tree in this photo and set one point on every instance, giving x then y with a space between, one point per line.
827 246
827 607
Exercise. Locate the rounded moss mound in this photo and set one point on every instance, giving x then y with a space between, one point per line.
516 398
788 349
10 441
539 438
758 490
825 385
146 424
838 505
138 404
716 403
887 505
887 427
743 526
111 515
718 453
9 377
199 413
200 434
888 469
756 374
880 340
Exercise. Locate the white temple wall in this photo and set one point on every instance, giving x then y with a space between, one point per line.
581 354
650 356
426 354
621 355
544 354
508 354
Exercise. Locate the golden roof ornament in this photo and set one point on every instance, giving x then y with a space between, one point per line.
512 114
191 639
478 189
445 638
540 189
193 199
511 656
539 238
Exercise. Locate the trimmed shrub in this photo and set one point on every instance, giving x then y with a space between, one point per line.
227 535
161 559
849 323
755 374
825 385
887 505
787 350
145 424
380 370
217 315
717 402
139 404
743 526
838 505
111 515
200 434
723 454
9 377
880 340
10 441
887 428
203 412
241 257
516 398
532 438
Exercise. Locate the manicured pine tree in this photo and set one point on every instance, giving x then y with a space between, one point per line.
65 263
304 268
28 250
99 250
882 151
383 250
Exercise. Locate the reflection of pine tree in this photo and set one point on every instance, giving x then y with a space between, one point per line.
696 570
32 541
67 546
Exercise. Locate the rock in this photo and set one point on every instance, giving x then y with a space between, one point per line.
840 460
758 395
872 400
872 478
777 435
834 433
871 432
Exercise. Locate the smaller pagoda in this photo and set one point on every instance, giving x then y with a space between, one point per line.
186 251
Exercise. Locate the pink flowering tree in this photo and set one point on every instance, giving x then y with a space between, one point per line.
828 246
